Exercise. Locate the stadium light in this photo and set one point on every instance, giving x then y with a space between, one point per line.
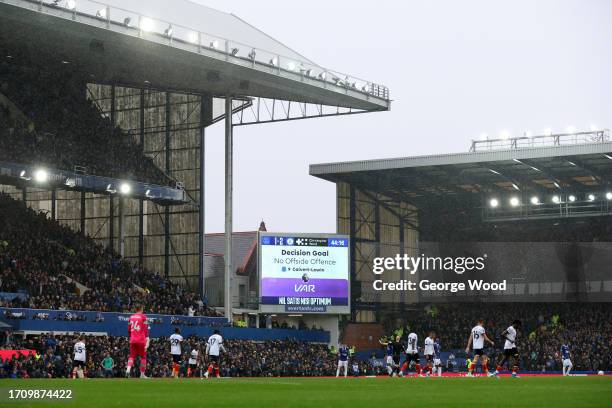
111 189
146 24
125 188
548 132
591 197
101 13
494 203
504 134
514 202
609 196
71 4
234 51
193 37
572 198
556 199
41 176
535 200
291 66
214 44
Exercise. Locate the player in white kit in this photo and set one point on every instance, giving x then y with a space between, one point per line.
175 349
510 350
476 341
80 358
193 362
412 354
428 352
214 346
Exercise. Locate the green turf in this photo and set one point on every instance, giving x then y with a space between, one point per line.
532 392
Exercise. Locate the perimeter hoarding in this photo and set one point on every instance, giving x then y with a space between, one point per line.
303 273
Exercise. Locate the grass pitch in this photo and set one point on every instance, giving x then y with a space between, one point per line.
530 392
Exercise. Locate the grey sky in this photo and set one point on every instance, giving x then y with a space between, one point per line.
456 69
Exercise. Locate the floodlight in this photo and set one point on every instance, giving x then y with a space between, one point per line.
101 13
494 203
234 51
110 188
41 176
556 199
71 4
146 24
514 202
125 188
591 197
193 37
535 200
291 66
609 196
572 198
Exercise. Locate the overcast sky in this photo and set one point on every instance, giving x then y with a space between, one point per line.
455 69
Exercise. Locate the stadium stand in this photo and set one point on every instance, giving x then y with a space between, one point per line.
586 327
52 123
278 358
41 257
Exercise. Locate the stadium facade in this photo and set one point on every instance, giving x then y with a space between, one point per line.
209 67
539 209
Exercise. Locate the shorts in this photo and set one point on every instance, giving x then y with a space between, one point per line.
389 360
343 364
429 358
567 362
396 359
511 352
137 349
176 358
193 366
78 363
214 359
479 352
437 362
412 357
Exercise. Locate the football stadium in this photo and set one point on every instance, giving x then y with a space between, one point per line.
449 277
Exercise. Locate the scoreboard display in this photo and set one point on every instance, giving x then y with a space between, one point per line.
303 273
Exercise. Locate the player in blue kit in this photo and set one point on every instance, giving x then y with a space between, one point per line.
343 355
437 360
394 350
565 359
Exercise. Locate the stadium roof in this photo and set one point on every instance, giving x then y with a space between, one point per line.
200 50
580 168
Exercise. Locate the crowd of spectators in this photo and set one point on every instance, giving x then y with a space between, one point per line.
244 358
62 128
43 258
585 327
